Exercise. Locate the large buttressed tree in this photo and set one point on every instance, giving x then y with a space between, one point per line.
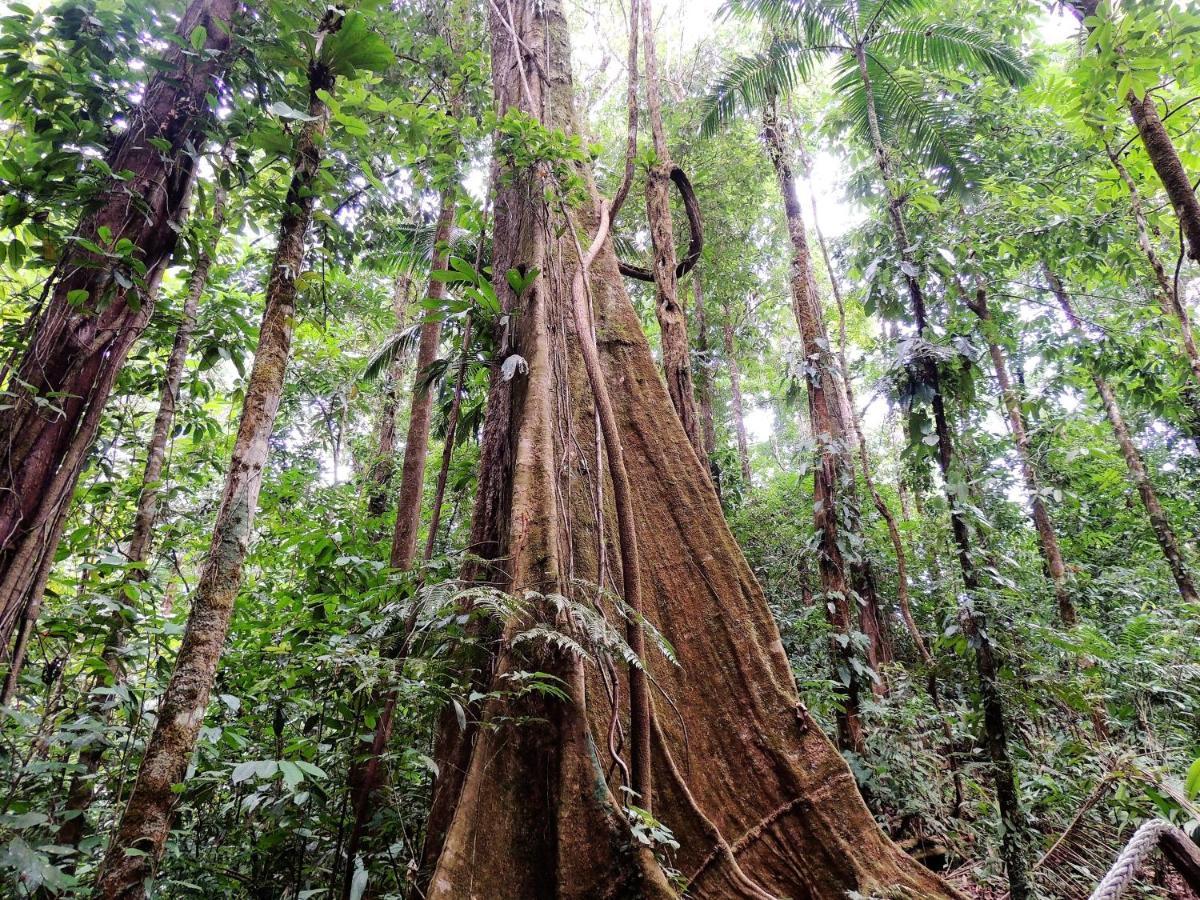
758 799
99 301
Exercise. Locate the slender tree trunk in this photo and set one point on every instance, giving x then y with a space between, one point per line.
1159 523
871 616
98 305
987 669
1165 159
903 596
1159 147
735 396
146 822
80 790
384 465
366 773
704 381
672 318
1047 539
416 448
833 476
772 810
439 493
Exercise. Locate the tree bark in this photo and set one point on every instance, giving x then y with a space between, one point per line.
1159 147
384 465
146 822
987 670
760 802
672 318
735 396
366 773
416 448
833 476
1165 159
704 381
99 304
1047 539
439 492
80 790
1159 523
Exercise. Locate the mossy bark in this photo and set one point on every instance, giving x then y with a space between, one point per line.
80 791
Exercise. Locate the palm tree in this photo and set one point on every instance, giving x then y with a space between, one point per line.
880 50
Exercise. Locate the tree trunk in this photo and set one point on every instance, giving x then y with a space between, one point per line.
439 492
384 465
735 396
1159 523
416 448
1165 159
146 821
760 802
98 305
80 790
1047 539
833 477
672 319
1159 147
704 382
366 775
995 729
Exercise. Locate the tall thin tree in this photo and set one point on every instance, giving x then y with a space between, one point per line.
870 44
141 834
1160 524
672 318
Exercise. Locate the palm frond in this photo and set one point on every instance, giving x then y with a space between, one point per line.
410 248
872 14
912 122
397 346
950 47
813 21
753 80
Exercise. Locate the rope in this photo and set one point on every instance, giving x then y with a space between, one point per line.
1141 845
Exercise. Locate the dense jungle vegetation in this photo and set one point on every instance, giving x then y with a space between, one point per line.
599 449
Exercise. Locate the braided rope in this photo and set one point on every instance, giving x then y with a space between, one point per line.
1141 845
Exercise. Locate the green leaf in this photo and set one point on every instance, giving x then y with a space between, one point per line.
198 37
17 821
292 776
355 48
284 111
1192 785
